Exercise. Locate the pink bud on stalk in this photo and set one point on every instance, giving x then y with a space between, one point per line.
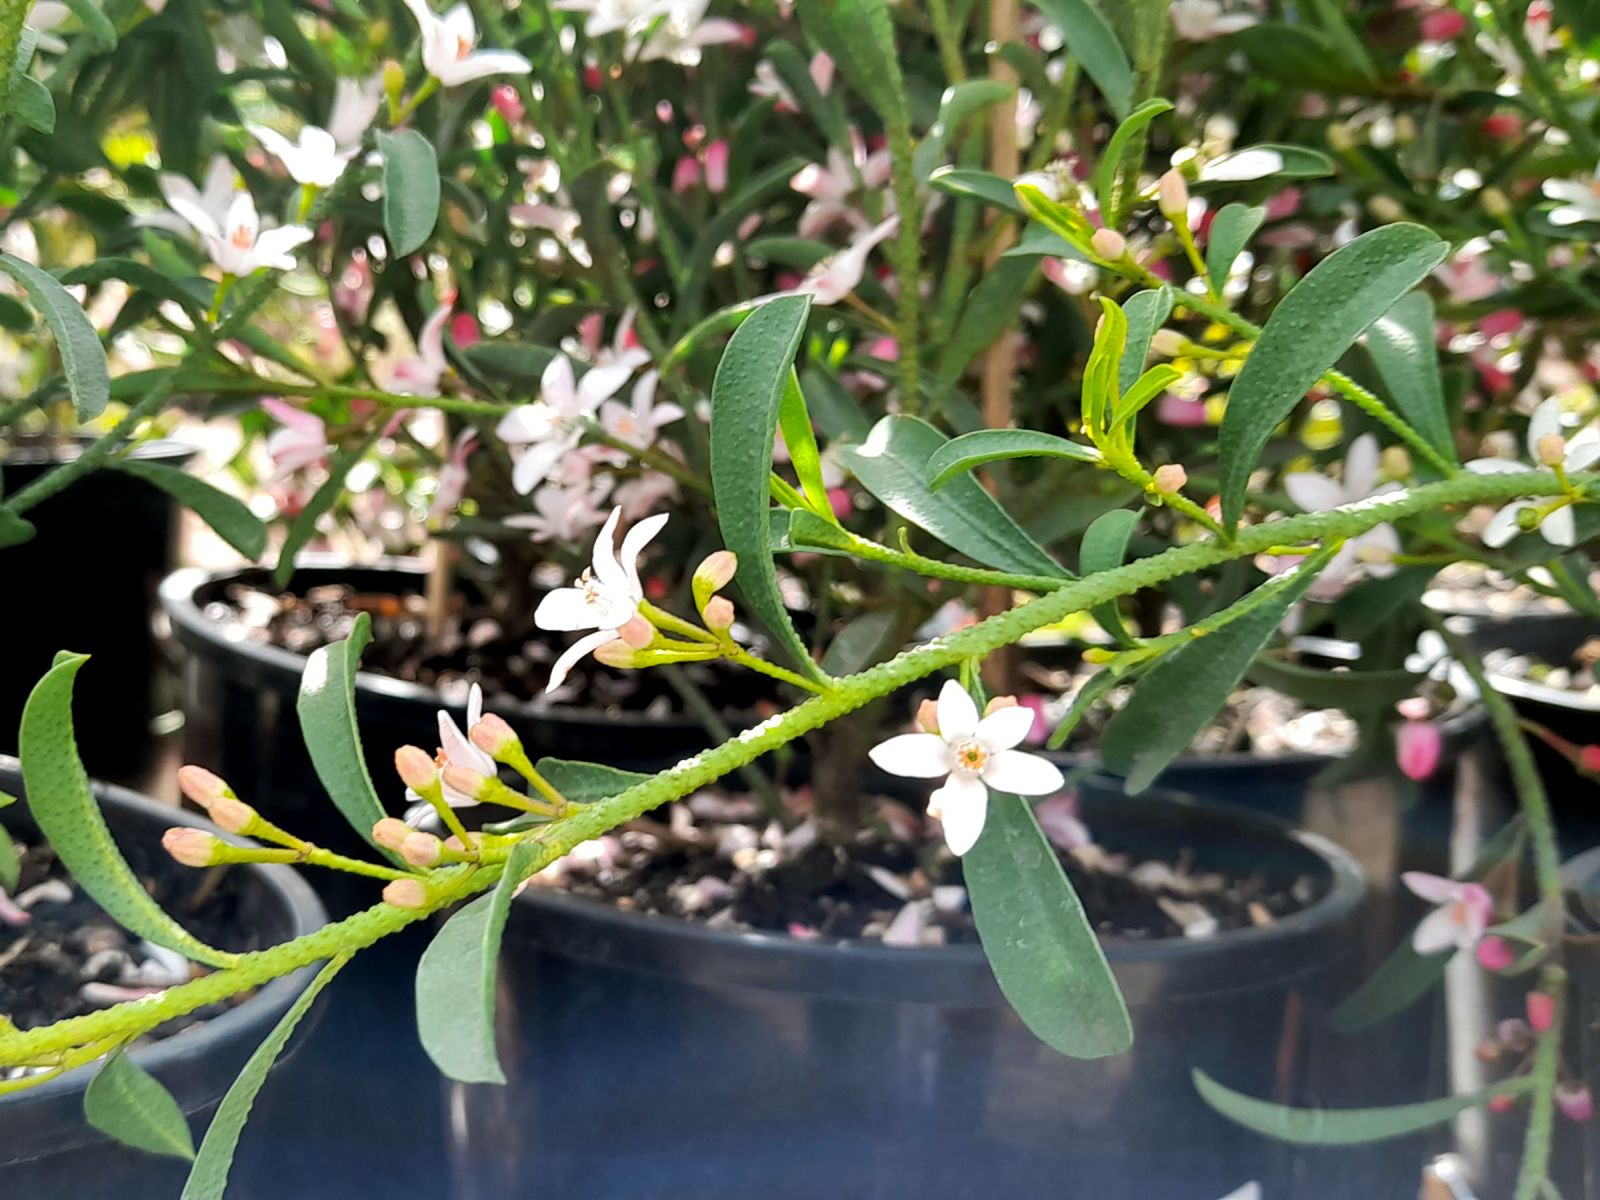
192 847
1169 479
637 632
718 614
405 893
493 736
1495 953
390 832
416 768
202 787
234 816
1498 1104
421 849
928 716
996 703
715 572
466 781
1574 1101
1541 1011
617 654
1417 749
1108 245
1172 194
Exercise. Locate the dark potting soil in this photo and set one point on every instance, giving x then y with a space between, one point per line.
68 957
1576 676
474 647
717 860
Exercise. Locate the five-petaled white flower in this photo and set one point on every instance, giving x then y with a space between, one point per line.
448 47
550 428
314 159
237 243
1464 911
836 276
1577 201
1202 20
1548 447
605 598
976 755
1370 553
455 750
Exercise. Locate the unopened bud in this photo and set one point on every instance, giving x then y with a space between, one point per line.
192 847
718 614
1501 1104
1541 1011
378 33
1395 462
1589 759
617 654
416 768
1172 194
1169 478
996 703
1387 209
405 893
394 82
234 816
1495 202
928 716
201 786
715 572
1341 139
493 736
421 849
1495 953
637 632
1488 1051
1168 343
1514 1034
1552 450
465 780
390 832
1574 1101
1527 519
1108 245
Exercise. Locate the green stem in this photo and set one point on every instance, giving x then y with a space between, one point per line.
13 14
908 257
736 653
933 568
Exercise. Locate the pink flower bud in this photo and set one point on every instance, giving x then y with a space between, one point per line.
465 780
405 893
928 716
507 103
1589 759
685 175
201 786
416 768
1173 196
1552 449
1417 747
1443 25
191 847
663 111
637 632
1501 1104
421 849
719 614
1541 1011
493 736
464 330
716 571
617 654
1108 245
717 167
1514 1034
390 832
234 816
996 703
1180 412
1495 953
1574 1101
1169 478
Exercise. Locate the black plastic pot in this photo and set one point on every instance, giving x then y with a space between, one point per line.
239 698
650 1057
87 582
46 1146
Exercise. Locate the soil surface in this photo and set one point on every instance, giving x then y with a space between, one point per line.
62 956
719 860
474 647
1576 676
1477 591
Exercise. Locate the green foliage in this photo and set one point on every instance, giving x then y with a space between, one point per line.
82 358
228 515
1231 231
1401 343
1105 175
1105 547
973 450
128 1103
859 36
410 189
1092 42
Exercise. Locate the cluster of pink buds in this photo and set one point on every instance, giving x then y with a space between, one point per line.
1513 1043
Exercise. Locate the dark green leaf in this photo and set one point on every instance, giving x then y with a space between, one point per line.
1319 687
518 363
959 102
208 1178
864 640
140 276
456 978
745 398
837 411
410 189
892 464
1300 58
989 312
1147 312
792 68
228 515
10 864
1401 343
1307 333
1105 175
588 783
724 227
96 25
1039 242
128 1103
1095 46
1037 939
327 711
82 358
972 450
1231 231
1339 1127
64 808
859 36
1104 548
977 185
32 104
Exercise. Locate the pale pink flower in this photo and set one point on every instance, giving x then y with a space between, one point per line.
453 475
542 433
301 442
644 494
1058 817
1463 912
563 513
638 423
625 349
1574 1101
1467 276
685 32
717 166
448 47
836 276
767 82
420 376
831 185
1180 411
455 750
237 244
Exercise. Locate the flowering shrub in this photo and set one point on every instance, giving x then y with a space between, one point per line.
570 268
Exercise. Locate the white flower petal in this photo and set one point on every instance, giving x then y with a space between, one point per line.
1546 420
1558 528
608 571
1495 466
958 715
913 756
1022 774
633 544
1005 727
1361 467
963 805
1313 492
1435 889
1502 527
565 609
569 658
1437 931
1583 449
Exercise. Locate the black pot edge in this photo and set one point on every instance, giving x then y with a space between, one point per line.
265 1007
196 632
1347 890
1482 626
155 449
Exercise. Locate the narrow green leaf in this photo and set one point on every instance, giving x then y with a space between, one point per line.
1318 687
304 526
745 398
141 277
1270 160
958 102
410 189
864 640
892 464
587 783
837 411
32 104
208 1178
1402 347
1038 242
1231 231
128 1103
973 184
989 312
1105 175
723 228
801 440
859 36
64 808
514 362
794 70
1095 46
973 450
1104 548
1086 698
14 530
1037 939
1340 1126
1147 311
96 25
10 864
83 360
1187 686
228 515
456 978
327 711
1307 333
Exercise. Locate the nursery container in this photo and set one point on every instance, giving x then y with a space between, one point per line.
47 1149
102 547
652 1057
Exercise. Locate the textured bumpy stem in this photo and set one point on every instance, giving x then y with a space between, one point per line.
847 695
13 13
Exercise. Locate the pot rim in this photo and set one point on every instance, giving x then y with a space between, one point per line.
263 1009
1481 627
190 623
1347 887
60 452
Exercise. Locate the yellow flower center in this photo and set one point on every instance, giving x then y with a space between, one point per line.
969 756
463 47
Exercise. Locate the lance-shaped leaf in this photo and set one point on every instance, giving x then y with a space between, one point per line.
1306 334
32 104
892 464
1187 686
1231 231
587 783
410 189
1318 687
746 396
327 711
973 184
859 36
83 360
64 808
1093 43
972 450
1146 312
1037 939
126 1102
1341 1127
456 977
1401 343
1105 175
208 1178
228 515
958 102
989 312
1104 548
